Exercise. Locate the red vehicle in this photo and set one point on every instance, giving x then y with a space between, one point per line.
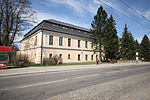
4 56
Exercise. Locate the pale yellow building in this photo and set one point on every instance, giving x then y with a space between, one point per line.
51 37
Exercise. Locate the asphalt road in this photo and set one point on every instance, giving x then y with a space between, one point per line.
44 85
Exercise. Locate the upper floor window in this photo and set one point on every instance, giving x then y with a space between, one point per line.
79 43
50 40
60 41
92 45
69 42
86 44
35 40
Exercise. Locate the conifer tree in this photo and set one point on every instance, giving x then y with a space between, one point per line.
128 48
137 46
145 48
111 40
98 30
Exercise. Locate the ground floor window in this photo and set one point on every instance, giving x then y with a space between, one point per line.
86 57
79 57
91 57
96 56
50 55
60 55
69 56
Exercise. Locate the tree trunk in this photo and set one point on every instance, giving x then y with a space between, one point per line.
100 53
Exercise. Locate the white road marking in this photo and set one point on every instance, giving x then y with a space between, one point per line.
52 72
26 86
48 72
112 72
50 82
88 76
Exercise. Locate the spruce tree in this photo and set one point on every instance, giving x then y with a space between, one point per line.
98 30
111 40
145 48
128 48
137 46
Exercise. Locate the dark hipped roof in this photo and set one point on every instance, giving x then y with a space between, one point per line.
58 26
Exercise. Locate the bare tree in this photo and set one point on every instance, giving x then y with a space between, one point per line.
15 16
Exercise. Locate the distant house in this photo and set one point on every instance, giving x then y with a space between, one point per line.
51 37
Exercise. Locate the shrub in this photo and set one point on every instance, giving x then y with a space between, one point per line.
48 61
20 60
60 61
52 61
55 59
113 61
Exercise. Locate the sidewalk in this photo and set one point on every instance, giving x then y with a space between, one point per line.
31 70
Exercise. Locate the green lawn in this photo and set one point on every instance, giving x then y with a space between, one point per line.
82 63
64 64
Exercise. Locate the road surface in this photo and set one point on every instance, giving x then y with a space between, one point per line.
45 85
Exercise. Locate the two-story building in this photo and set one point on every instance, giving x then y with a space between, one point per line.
51 37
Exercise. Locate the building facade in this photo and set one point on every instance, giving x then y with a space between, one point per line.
51 37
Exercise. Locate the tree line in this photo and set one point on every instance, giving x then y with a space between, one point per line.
110 46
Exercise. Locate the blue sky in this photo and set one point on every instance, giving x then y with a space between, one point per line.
81 12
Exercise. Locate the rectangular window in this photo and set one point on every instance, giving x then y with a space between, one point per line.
69 42
60 41
50 40
86 57
60 55
86 44
91 57
96 56
35 40
79 57
50 55
92 45
69 56
79 43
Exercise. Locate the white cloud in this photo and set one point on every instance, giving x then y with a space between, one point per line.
82 6
147 14
73 4
44 16
79 6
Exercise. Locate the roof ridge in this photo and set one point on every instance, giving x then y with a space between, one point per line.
67 24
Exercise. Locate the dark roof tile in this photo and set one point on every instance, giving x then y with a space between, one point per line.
57 26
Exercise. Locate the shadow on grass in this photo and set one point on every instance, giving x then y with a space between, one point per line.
13 67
